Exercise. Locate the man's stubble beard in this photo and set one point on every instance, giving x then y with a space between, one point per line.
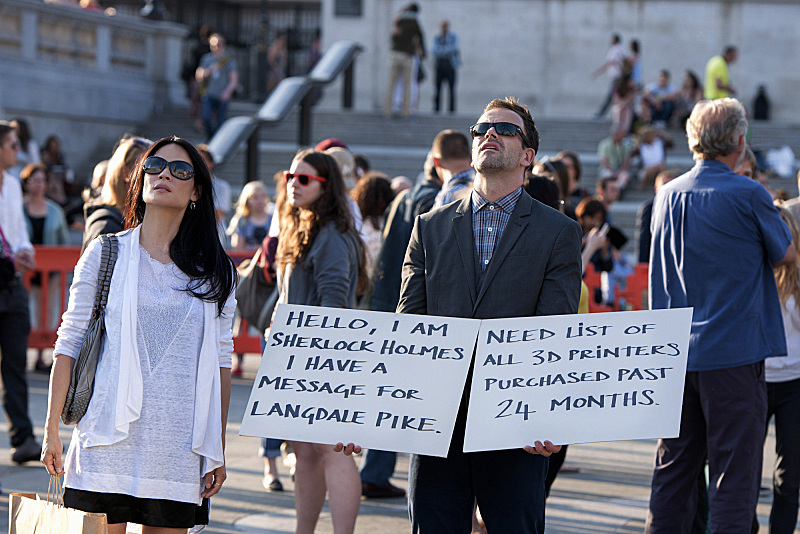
488 165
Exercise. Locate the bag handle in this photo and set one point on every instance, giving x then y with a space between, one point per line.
55 492
108 258
259 261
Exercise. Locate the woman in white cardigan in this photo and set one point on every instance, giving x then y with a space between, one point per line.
150 448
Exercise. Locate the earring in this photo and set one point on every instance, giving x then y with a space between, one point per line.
192 205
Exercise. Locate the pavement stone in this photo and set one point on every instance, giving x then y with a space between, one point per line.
609 492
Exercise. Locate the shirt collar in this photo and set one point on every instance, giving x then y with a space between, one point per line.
462 177
506 203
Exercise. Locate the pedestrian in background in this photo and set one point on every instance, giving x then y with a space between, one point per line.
16 257
447 55
218 77
783 396
47 225
103 215
406 42
320 262
716 237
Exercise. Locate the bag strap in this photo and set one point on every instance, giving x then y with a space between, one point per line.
55 491
108 258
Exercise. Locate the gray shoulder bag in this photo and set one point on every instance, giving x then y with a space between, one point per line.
81 385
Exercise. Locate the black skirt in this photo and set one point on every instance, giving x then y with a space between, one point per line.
127 509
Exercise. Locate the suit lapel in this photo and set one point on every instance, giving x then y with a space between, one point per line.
462 227
516 225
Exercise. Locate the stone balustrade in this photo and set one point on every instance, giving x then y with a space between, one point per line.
85 76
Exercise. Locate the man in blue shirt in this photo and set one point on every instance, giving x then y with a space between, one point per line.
716 238
448 59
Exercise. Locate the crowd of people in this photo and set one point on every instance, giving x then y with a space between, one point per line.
341 234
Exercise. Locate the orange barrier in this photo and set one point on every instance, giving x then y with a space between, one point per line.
62 261
633 297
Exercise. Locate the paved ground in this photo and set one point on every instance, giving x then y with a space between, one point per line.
608 494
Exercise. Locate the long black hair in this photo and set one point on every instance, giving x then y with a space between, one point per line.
196 249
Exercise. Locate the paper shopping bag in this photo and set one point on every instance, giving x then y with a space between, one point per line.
28 514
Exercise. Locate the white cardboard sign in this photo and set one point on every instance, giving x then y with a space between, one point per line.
578 378
380 380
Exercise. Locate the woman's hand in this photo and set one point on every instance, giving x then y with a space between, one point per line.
348 449
214 481
51 453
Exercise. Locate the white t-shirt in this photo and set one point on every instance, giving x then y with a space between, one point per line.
12 218
616 55
652 154
787 368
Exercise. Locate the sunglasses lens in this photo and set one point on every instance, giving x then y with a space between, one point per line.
505 128
181 170
153 165
502 128
302 178
479 129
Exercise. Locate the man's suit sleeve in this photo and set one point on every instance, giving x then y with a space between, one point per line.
413 295
561 288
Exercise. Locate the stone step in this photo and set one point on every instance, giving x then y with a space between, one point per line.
399 147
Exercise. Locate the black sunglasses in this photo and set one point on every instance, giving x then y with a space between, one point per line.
502 128
303 178
181 170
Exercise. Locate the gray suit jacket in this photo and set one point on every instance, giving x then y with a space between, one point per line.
535 268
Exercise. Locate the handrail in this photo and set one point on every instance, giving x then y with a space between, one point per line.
335 61
290 92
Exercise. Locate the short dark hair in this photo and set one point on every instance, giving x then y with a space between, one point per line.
589 207
373 193
729 50
616 38
531 136
603 182
5 128
542 189
28 171
451 144
665 72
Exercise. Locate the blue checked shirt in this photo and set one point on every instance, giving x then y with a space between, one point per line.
489 219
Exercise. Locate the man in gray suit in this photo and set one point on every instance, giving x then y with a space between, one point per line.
497 253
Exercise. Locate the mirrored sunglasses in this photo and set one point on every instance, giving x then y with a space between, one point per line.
303 178
181 170
507 129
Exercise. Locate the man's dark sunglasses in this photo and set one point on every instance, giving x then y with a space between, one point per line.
502 128
181 170
303 178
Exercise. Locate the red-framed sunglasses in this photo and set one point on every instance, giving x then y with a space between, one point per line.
302 178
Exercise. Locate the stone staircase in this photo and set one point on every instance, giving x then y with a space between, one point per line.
398 147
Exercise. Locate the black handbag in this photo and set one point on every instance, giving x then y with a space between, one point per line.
81 384
255 291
